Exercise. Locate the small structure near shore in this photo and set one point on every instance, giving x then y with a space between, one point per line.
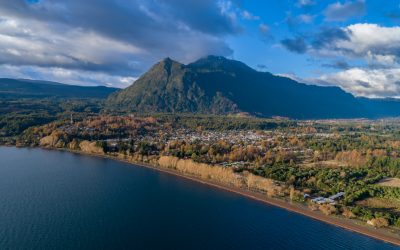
337 196
330 200
323 200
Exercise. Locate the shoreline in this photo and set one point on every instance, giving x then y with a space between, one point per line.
348 224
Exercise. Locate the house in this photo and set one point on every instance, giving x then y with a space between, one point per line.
323 200
337 196
330 200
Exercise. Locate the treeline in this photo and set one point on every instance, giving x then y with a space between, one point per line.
17 115
220 123
357 183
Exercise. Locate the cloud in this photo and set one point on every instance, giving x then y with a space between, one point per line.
306 18
263 28
375 44
373 83
36 44
304 3
297 45
375 48
265 34
296 22
68 76
343 11
337 65
327 36
116 38
248 16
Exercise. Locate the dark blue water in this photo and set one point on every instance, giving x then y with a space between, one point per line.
59 200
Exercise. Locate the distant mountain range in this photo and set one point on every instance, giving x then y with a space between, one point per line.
19 88
217 85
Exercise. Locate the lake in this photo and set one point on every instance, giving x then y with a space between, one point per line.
60 200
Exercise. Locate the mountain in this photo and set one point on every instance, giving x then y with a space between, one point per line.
218 85
19 88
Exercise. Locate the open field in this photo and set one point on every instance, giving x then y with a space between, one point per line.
324 164
381 203
389 182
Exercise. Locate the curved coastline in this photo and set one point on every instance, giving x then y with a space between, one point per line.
351 225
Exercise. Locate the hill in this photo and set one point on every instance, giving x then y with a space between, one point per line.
218 85
19 88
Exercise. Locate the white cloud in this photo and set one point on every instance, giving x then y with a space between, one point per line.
306 18
387 60
304 3
371 41
68 76
248 16
263 28
341 12
366 82
374 44
116 38
40 44
374 48
227 9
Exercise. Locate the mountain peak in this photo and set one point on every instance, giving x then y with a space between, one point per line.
213 62
216 58
166 64
167 60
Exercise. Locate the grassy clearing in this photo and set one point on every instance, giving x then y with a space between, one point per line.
389 182
324 164
381 204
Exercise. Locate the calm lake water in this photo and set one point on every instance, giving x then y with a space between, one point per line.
60 200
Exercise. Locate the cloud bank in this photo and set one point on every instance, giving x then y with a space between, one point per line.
110 40
375 46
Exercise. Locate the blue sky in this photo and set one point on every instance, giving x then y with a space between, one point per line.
354 44
290 19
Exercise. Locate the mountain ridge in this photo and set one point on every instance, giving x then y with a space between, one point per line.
26 88
217 85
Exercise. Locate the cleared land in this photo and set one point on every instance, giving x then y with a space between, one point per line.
389 182
325 164
382 203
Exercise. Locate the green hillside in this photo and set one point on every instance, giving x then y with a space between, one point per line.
18 88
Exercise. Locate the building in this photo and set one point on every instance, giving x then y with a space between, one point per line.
337 196
330 200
